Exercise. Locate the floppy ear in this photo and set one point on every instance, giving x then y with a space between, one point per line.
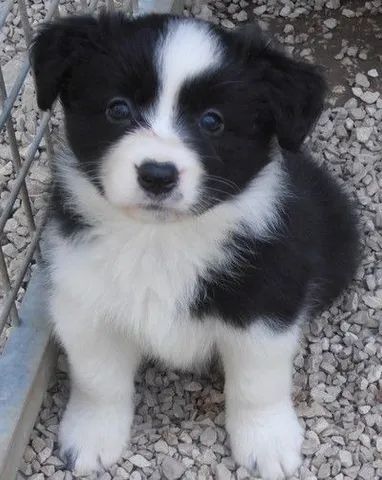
297 93
55 49
294 91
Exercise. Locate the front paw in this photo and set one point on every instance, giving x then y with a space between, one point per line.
268 440
93 437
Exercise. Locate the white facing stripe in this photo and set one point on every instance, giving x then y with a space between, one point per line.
188 49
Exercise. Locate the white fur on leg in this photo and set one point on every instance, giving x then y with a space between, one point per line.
269 440
263 426
92 436
96 424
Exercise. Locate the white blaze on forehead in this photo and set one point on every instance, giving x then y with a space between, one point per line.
188 49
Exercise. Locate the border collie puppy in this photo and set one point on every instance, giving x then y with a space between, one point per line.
185 220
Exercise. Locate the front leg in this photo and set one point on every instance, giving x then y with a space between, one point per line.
260 418
96 424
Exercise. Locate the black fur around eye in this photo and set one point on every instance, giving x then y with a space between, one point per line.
212 122
118 111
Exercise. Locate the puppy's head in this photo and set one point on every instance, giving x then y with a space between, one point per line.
172 114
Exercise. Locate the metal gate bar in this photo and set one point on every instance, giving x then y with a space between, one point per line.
19 187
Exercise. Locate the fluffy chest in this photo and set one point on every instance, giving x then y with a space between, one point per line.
148 277
143 282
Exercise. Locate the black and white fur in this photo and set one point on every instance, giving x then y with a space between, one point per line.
251 241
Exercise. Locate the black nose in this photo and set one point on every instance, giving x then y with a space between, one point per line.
157 177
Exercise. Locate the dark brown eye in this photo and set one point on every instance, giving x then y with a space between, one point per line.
212 122
118 111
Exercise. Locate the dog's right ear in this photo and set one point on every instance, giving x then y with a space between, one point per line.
293 90
55 49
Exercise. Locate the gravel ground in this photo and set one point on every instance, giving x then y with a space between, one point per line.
179 425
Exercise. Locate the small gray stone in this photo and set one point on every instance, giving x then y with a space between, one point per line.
185 449
242 16
59 475
172 469
139 461
333 4
363 133
378 444
371 284
161 447
227 24
323 471
260 10
26 468
361 80
222 472
285 11
232 8
11 69
357 92
373 301
370 97
6 169
48 470
44 454
358 113
346 12
351 103
364 409
135 475
360 318
346 458
53 460
330 23
208 436
122 473
375 373
205 13
311 443
38 444
373 73
367 472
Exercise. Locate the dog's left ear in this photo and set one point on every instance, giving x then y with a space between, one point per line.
294 91
55 49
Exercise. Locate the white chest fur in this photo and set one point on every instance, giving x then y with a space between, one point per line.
140 280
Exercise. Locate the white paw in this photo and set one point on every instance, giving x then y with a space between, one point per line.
92 437
269 441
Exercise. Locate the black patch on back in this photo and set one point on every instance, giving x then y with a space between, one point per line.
305 265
